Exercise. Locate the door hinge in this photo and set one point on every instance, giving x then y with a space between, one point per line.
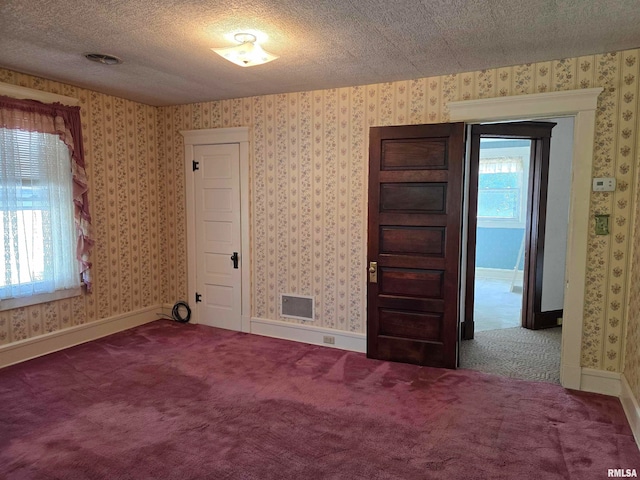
198 297
196 165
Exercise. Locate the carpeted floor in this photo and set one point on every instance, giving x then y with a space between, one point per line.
173 401
515 353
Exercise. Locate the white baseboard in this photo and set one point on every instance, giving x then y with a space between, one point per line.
631 408
600 381
166 310
356 342
246 324
52 342
570 376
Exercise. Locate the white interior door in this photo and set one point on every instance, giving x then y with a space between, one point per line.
218 235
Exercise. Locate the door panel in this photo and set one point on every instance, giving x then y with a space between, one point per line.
412 240
415 197
217 202
413 155
422 326
410 282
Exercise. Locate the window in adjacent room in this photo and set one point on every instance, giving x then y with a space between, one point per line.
502 182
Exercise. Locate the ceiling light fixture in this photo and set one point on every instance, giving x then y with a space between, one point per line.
247 54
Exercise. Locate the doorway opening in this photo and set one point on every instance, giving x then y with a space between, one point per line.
516 251
581 106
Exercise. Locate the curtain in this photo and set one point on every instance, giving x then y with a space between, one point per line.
64 122
36 215
501 165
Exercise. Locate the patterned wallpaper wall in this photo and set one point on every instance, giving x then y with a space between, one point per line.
632 352
308 172
120 139
309 188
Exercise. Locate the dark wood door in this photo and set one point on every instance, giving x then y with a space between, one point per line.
540 135
415 200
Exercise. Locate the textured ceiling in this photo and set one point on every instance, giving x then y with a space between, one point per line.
165 44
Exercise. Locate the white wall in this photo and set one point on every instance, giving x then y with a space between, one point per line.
558 196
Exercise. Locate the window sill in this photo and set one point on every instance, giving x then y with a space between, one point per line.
12 303
500 224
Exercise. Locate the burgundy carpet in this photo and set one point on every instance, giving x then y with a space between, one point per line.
173 401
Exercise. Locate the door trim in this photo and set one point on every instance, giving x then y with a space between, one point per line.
213 136
582 105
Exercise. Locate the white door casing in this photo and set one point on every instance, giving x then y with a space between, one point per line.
217 207
582 105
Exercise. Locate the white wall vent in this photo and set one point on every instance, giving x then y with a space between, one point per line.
301 307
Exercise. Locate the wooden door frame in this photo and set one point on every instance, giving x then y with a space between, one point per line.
539 133
214 136
581 104
532 315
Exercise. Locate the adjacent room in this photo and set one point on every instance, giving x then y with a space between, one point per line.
284 240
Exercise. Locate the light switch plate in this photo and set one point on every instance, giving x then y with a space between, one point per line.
604 184
602 224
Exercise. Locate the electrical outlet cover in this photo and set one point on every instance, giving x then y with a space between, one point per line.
602 224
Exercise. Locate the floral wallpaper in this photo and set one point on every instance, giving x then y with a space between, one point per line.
120 140
309 192
309 184
631 368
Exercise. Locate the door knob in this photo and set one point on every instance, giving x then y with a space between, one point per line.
234 259
373 272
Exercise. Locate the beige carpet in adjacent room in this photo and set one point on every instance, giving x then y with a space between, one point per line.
515 353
